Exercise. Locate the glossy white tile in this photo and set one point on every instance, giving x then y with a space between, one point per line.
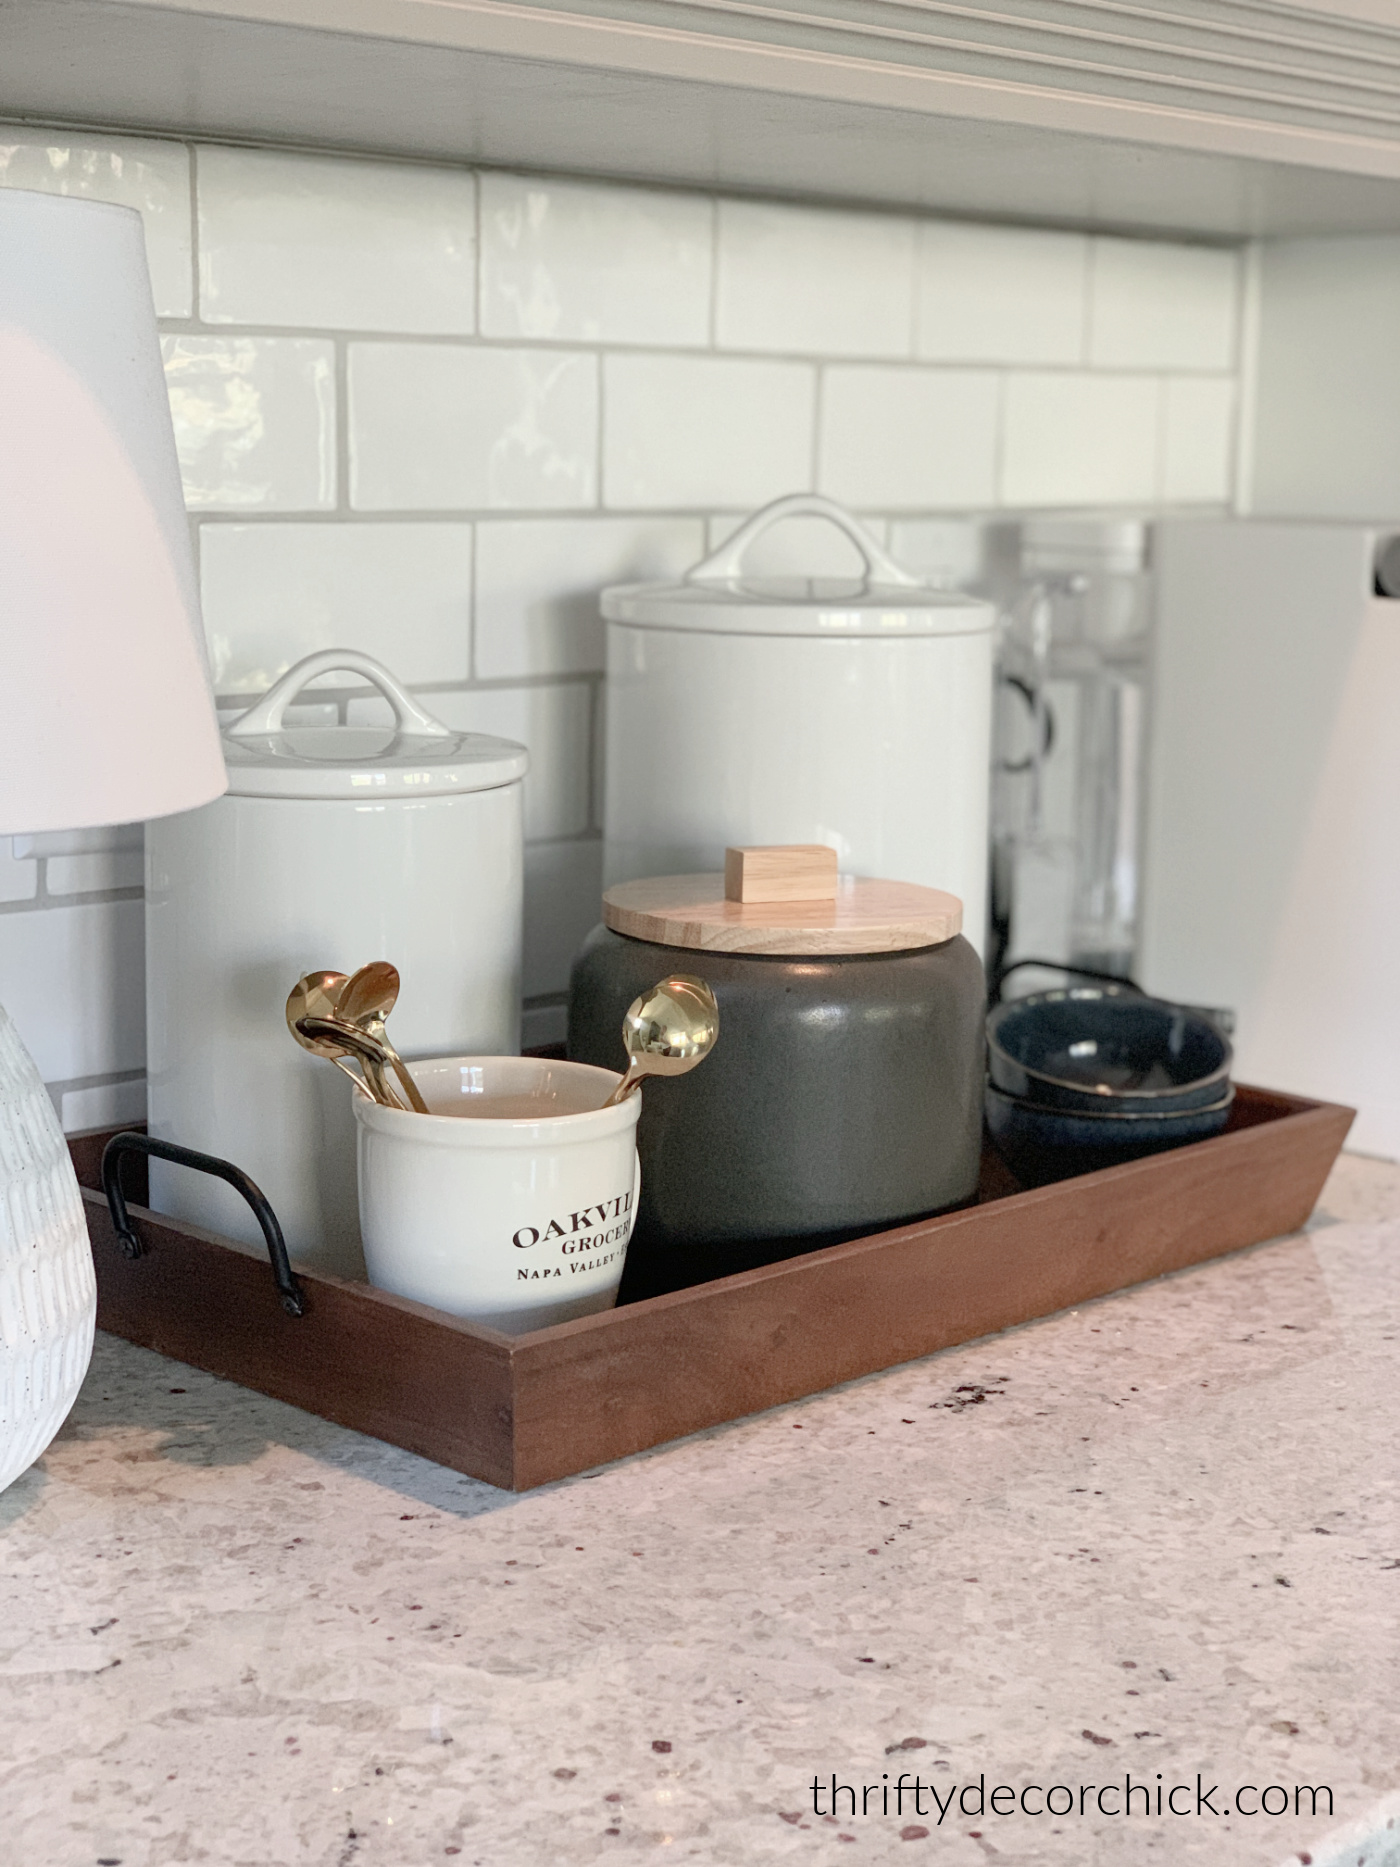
1198 439
552 722
435 427
563 904
104 1105
588 262
334 242
813 280
74 983
705 431
102 841
19 876
1073 439
909 437
949 553
1157 305
538 582
133 171
273 593
1000 294
254 421
89 875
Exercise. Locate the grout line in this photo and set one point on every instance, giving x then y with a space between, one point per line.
600 498
1086 323
478 270
818 423
999 442
196 294
602 347
471 602
1244 427
341 415
713 319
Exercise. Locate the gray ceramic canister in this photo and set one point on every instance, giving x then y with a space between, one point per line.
844 1096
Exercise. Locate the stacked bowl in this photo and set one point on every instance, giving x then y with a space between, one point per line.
1088 1076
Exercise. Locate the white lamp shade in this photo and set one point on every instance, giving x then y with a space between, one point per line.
106 714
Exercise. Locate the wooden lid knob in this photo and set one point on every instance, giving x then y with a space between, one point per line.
780 872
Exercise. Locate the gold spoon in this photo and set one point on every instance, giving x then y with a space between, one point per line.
314 996
667 1031
366 999
331 1036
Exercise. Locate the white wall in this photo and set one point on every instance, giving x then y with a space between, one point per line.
429 413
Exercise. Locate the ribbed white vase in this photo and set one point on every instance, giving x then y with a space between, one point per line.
48 1294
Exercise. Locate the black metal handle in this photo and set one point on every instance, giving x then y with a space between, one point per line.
132 1142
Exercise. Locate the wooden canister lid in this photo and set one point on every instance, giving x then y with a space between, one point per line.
863 917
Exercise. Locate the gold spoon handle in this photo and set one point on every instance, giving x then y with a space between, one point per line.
626 1086
405 1076
379 1085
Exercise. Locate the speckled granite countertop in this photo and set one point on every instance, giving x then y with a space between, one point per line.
1157 1534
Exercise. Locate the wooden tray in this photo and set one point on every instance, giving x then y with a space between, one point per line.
520 1411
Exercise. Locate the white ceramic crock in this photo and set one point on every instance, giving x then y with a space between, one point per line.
334 846
854 712
518 1223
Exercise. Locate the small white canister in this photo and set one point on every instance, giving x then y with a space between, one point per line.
512 1201
334 846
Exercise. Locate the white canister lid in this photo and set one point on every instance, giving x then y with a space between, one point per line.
415 757
716 597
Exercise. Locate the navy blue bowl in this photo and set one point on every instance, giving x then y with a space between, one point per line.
1106 1047
1043 1144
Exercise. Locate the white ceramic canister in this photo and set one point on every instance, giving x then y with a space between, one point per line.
334 846
518 1222
748 710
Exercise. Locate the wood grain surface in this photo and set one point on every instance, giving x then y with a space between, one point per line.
864 917
521 1411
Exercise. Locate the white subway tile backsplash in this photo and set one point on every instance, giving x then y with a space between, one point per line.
254 421
948 553
108 839
74 983
563 904
104 1105
139 172
335 242
1198 435
1155 305
19 877
276 592
813 280
705 431
553 723
1074 439
909 437
1000 294
437 427
586 262
87 875
538 581
951 367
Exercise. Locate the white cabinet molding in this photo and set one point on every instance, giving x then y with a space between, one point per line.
1224 117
